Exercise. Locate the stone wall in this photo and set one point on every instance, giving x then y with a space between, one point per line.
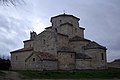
66 29
62 26
66 60
18 60
96 55
28 44
62 41
34 63
42 65
45 42
77 46
83 64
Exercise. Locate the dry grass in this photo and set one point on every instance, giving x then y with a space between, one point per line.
89 74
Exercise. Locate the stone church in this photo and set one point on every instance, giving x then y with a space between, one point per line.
61 46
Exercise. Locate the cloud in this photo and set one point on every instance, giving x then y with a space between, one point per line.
101 20
12 32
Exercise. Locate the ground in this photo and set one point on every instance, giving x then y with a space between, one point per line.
61 75
10 75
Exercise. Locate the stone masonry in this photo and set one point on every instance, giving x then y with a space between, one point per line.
61 46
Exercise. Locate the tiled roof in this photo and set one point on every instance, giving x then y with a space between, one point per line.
28 57
48 27
66 23
82 28
28 40
64 16
45 56
77 38
65 49
82 56
94 45
22 50
62 34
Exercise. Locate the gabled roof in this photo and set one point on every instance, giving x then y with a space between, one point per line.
43 56
45 31
94 45
29 57
82 56
77 38
22 50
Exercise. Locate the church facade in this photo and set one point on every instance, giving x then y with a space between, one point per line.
62 46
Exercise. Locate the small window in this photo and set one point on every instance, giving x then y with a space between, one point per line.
60 21
44 41
16 57
33 59
76 30
71 55
55 29
102 56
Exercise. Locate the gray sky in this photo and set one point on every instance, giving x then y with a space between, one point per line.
100 18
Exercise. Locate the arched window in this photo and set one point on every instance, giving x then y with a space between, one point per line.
55 29
44 42
33 59
16 57
60 21
71 55
102 56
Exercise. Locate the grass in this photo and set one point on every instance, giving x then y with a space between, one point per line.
2 73
102 74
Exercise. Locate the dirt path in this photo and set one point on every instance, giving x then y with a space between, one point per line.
11 75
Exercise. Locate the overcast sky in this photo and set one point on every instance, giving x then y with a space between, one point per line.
100 18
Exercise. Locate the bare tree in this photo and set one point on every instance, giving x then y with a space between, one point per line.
13 2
